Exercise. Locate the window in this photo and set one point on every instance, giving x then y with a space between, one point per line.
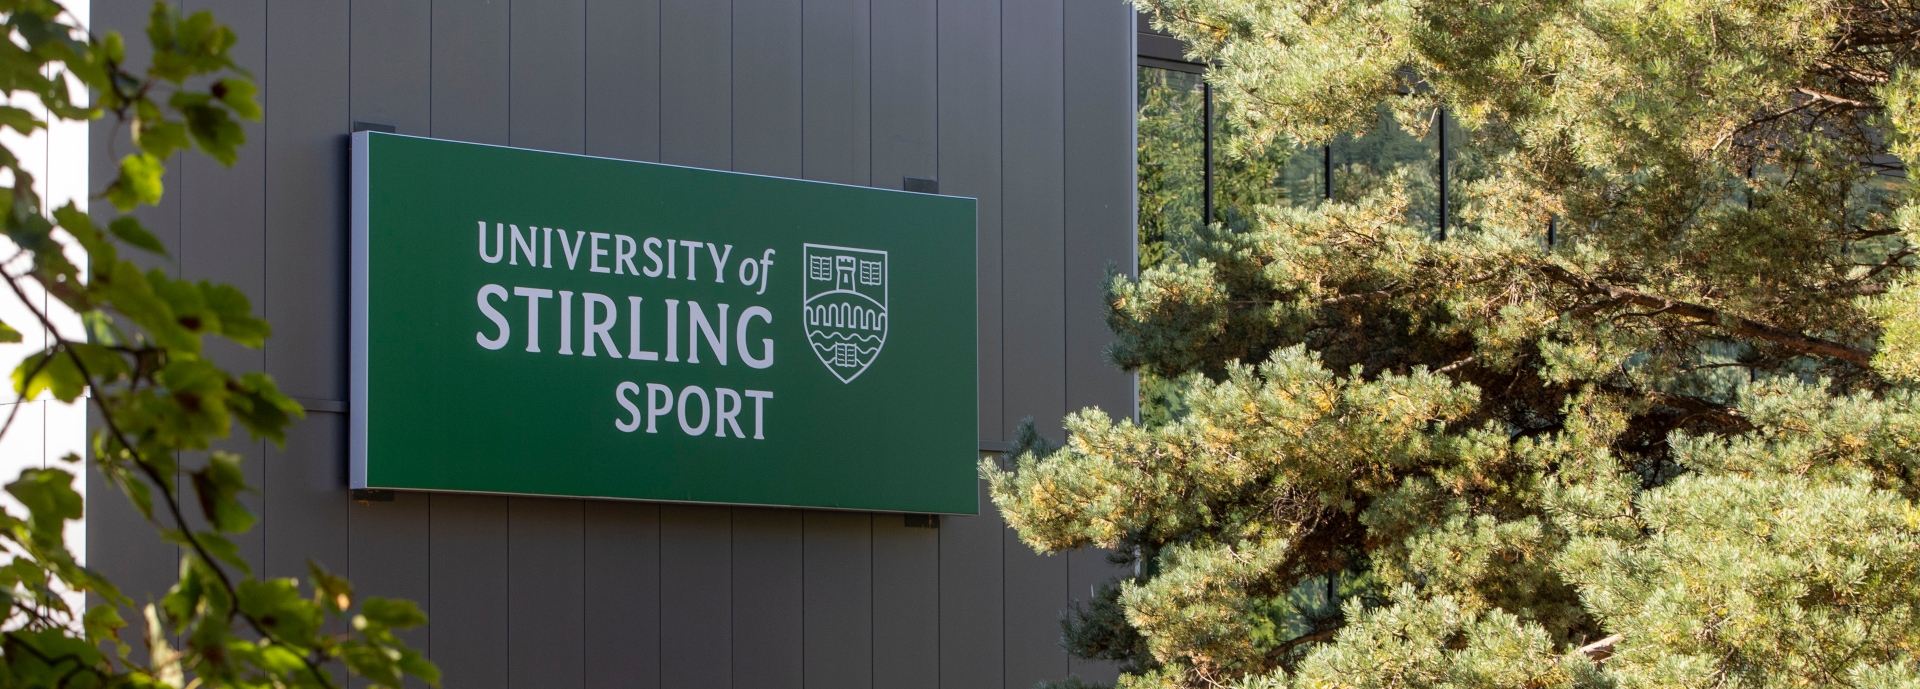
1186 181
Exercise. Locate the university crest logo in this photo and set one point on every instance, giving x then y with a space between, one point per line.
846 307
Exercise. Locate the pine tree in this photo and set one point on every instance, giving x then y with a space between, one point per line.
1674 440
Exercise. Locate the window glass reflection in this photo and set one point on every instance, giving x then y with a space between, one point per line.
1172 159
1370 162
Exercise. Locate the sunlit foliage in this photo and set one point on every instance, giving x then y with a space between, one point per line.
1670 443
157 398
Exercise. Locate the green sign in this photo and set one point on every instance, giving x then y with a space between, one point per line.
548 324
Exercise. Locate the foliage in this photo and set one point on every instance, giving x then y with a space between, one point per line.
155 393
1673 444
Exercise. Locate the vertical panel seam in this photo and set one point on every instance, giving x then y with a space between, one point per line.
659 576
659 77
1066 294
266 283
586 135
430 81
1002 162
509 109
733 153
873 623
429 496
870 142
733 630
347 528
508 522
803 515
580 506
803 175
1066 298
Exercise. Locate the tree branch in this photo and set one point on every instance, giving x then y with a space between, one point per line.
166 492
1304 639
1600 650
1796 341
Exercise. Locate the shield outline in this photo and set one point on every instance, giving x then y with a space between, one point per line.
807 298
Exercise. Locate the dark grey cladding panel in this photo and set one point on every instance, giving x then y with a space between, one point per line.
472 92
1098 185
622 626
391 45
303 500
388 555
468 574
837 601
1033 330
1100 180
306 232
970 160
546 597
547 90
767 84
835 79
1026 106
696 83
223 239
906 91
623 71
906 604
768 598
696 597
973 588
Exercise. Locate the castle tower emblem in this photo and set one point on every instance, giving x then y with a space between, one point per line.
846 307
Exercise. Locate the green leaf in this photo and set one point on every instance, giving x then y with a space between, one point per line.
392 613
31 668
238 94
221 549
129 230
114 47
49 371
413 663
278 606
102 621
281 660
329 589
262 409
50 500
156 135
99 361
215 131
235 313
217 485
371 663
139 182
20 120
10 336
77 223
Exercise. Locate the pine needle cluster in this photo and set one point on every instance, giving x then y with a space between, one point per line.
1674 442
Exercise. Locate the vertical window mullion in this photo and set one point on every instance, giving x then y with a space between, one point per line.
1206 153
1326 169
1445 187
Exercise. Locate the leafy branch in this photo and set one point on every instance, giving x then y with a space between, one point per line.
140 363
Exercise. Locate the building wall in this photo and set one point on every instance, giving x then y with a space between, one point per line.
1024 104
